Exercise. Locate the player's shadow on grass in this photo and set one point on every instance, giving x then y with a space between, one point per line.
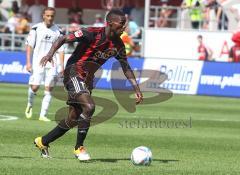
125 159
93 160
15 157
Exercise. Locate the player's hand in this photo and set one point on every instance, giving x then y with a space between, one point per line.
139 97
29 67
46 59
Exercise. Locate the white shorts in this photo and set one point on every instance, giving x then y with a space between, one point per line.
47 77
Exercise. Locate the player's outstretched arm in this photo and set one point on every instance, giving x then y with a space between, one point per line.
131 77
55 46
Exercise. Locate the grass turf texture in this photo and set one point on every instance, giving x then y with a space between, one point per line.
210 146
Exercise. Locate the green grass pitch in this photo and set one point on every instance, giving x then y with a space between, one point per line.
210 145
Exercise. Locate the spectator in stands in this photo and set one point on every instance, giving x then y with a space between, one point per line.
165 13
75 13
10 25
22 26
128 42
195 10
184 16
35 12
14 8
17 23
127 8
98 21
222 18
236 9
215 13
210 21
133 29
137 13
24 8
205 53
234 53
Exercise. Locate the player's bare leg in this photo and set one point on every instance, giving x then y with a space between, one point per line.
64 125
80 114
88 107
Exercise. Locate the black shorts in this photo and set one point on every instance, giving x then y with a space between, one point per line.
75 86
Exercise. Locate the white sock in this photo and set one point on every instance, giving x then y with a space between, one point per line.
45 103
31 96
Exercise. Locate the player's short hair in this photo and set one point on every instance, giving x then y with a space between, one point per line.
114 12
48 9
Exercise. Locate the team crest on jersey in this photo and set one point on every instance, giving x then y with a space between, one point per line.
78 33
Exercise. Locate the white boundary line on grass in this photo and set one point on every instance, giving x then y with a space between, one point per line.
7 117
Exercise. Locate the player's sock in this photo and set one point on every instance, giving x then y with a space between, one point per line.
45 103
31 96
82 132
81 135
57 132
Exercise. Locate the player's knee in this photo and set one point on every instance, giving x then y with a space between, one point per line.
34 88
89 110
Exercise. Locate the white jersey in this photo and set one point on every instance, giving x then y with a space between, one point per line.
41 38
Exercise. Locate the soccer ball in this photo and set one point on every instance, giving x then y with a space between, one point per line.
141 155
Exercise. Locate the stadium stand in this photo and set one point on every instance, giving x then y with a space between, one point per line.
163 13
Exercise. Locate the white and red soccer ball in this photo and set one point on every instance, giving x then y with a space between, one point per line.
141 155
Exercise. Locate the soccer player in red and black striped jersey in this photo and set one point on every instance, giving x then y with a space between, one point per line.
95 47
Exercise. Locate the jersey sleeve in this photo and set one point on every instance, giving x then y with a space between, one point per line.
82 34
31 38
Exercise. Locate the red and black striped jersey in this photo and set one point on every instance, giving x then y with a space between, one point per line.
93 50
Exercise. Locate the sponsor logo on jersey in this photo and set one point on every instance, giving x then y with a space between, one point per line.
106 54
47 37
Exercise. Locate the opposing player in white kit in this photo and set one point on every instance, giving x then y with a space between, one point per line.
39 42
